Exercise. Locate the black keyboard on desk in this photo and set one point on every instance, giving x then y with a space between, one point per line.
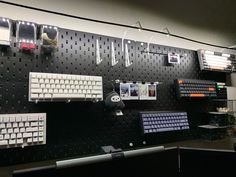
154 122
195 88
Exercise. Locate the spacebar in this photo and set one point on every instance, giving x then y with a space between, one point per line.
68 96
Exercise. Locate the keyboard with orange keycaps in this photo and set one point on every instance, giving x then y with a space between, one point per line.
195 88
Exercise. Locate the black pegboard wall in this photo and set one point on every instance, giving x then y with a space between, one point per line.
81 128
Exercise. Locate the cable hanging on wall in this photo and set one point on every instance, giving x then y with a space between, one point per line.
116 24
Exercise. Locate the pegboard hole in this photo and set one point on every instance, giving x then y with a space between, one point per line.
62 36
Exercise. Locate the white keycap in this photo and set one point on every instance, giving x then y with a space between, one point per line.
10 130
47 96
19 141
50 90
2 125
22 130
33 117
8 125
41 81
34 124
19 135
45 90
6 136
3 142
35 134
6 119
13 136
35 85
88 96
34 95
98 83
41 123
40 139
42 86
48 86
27 124
21 124
41 129
40 133
12 141
1 137
35 140
27 135
46 81
15 124
36 90
12 119
96 92
97 88
34 80
29 140
24 118
65 91
4 131
16 130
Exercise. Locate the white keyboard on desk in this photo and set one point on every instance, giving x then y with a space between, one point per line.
64 87
19 130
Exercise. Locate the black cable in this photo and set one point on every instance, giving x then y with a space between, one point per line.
115 24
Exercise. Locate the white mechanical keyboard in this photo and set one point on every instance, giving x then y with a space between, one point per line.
64 87
19 130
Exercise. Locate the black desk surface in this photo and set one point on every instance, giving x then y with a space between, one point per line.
222 144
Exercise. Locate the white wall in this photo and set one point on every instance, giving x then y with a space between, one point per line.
118 12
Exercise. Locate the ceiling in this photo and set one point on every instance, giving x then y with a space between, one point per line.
212 14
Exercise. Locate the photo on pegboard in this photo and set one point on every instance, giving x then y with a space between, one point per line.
134 91
125 91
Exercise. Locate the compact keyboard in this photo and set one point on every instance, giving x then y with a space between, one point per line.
64 87
153 122
19 130
195 88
